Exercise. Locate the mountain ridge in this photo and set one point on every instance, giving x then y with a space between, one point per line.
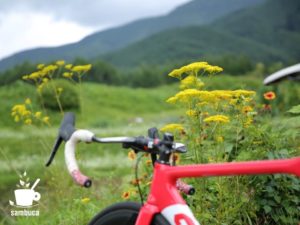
112 39
261 33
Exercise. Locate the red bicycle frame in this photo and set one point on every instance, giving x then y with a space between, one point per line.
164 196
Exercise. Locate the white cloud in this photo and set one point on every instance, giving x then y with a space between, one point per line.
93 13
28 30
35 23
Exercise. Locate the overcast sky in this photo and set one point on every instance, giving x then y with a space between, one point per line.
25 24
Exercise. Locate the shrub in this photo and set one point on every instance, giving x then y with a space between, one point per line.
63 91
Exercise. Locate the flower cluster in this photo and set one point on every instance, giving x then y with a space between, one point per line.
190 95
82 68
207 110
191 82
217 119
194 69
24 113
46 73
174 127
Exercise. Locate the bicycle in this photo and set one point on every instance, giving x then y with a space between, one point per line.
164 205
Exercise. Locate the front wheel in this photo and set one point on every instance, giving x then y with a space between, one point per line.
124 213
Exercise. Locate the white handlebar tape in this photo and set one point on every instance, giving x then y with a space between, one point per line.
77 136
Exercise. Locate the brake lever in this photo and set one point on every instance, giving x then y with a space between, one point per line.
54 150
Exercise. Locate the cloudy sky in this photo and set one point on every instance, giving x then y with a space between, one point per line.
25 24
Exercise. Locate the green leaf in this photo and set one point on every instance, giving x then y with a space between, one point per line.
295 110
277 198
269 189
267 209
228 147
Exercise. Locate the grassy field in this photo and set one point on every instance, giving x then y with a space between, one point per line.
107 111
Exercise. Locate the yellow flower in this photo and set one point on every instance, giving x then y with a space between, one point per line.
40 66
19 107
26 113
28 121
46 119
191 69
27 101
45 80
191 113
214 69
68 66
126 195
17 118
85 200
187 95
195 67
247 109
233 102
25 77
60 90
60 62
248 122
34 76
82 68
222 94
219 139
38 114
172 100
131 155
203 103
217 119
172 128
244 93
67 74
192 95
191 82
175 73
49 69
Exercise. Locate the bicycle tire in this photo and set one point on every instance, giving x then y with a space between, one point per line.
124 213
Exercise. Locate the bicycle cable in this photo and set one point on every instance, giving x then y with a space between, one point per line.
137 180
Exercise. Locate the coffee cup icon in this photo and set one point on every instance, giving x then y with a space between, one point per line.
25 197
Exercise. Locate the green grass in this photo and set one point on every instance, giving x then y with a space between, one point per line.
107 111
